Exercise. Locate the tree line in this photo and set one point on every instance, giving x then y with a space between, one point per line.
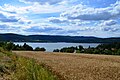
105 48
25 47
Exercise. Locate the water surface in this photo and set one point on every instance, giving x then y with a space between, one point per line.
51 46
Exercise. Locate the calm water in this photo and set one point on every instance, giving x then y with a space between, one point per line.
51 46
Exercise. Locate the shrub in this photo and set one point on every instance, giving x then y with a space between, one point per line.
118 52
96 51
68 49
108 52
9 46
31 71
39 49
27 47
56 50
80 47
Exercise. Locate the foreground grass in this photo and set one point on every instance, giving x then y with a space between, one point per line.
13 67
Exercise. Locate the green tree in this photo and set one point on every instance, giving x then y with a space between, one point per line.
108 52
39 49
81 48
56 50
96 51
27 47
9 46
118 52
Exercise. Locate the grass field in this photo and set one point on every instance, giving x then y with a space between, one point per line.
14 67
78 66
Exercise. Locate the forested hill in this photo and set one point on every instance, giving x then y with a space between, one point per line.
55 38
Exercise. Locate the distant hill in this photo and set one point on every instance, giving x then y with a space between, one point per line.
55 38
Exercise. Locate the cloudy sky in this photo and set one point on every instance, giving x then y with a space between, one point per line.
100 18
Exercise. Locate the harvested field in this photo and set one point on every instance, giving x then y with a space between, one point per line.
78 66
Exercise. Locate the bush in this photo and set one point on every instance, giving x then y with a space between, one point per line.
31 71
68 49
118 52
27 47
39 49
96 51
56 50
9 46
81 48
108 52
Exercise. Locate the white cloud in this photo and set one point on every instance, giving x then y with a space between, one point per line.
62 20
34 8
58 20
17 9
83 12
85 18
73 20
108 23
51 2
37 8
110 29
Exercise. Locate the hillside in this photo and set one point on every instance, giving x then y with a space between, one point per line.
56 38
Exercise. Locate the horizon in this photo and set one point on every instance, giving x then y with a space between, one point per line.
53 35
94 18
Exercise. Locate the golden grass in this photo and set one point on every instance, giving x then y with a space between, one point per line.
78 66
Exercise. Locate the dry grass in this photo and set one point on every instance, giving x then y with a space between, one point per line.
78 66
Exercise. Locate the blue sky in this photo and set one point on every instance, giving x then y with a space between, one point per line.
99 18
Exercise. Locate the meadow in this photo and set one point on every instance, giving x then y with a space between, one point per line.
13 67
77 66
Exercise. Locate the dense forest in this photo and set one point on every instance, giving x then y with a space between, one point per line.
56 38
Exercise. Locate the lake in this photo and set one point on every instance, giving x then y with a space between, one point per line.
51 46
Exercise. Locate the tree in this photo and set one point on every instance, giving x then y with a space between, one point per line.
17 47
27 47
80 47
39 49
9 46
43 49
96 51
108 52
56 50
118 52
68 49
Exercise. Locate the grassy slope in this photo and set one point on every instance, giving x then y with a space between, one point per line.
79 67
13 67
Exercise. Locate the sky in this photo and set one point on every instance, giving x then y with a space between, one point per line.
99 18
